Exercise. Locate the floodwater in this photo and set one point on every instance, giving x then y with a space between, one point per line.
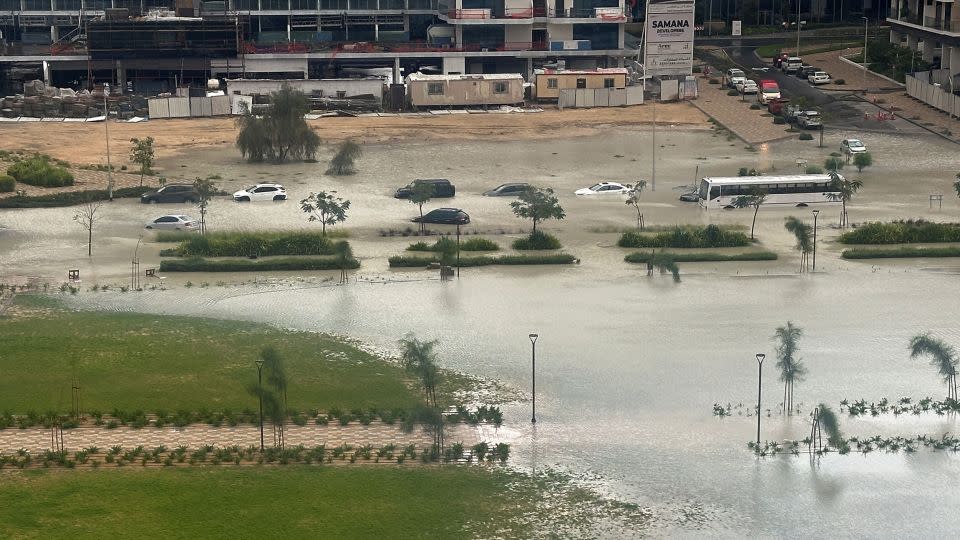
629 366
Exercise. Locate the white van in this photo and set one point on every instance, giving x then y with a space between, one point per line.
792 64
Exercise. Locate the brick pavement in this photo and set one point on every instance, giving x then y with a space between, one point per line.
737 116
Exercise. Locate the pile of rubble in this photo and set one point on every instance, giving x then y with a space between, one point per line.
41 101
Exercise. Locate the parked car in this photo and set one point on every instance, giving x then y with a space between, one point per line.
778 106
769 90
791 64
852 146
444 216
604 188
790 113
261 192
441 188
508 190
735 76
692 196
809 119
805 70
748 86
778 60
171 193
172 223
819 77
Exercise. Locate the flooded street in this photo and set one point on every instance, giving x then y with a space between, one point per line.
628 366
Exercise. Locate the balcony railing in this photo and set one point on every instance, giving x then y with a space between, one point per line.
940 24
385 47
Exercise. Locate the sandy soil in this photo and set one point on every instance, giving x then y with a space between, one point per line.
85 143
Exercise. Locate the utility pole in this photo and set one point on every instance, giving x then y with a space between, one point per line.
106 126
866 27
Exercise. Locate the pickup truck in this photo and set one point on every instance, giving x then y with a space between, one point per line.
819 77
769 90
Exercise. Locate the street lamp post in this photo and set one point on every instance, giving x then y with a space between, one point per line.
458 250
866 28
815 214
259 363
106 126
798 27
533 358
760 357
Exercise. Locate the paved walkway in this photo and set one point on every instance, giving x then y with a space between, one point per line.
194 436
736 115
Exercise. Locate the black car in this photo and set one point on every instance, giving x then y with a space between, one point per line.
441 188
171 193
507 190
445 216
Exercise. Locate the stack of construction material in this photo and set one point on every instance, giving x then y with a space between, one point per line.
41 101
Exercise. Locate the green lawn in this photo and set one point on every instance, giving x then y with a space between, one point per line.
267 502
160 362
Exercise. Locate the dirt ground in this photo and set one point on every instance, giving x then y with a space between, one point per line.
83 143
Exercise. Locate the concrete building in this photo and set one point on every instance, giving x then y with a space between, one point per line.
155 45
929 26
464 90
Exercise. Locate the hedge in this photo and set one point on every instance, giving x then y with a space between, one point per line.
642 257
70 198
244 265
900 252
902 232
263 244
419 262
710 236
40 171
473 244
7 183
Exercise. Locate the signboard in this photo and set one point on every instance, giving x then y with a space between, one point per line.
737 28
668 37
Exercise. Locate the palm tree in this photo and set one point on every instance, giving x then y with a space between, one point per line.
419 358
942 356
830 424
755 199
274 394
663 262
344 253
634 200
845 190
803 233
791 367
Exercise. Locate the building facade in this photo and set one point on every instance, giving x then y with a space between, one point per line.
931 27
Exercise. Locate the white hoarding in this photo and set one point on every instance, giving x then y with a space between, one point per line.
663 27
737 28
668 37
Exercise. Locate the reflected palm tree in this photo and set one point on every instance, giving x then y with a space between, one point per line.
791 367
942 356
804 236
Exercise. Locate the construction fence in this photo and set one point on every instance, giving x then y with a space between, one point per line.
575 98
197 107
926 87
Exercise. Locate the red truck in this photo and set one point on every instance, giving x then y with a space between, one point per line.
769 90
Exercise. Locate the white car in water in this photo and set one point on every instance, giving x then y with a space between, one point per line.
605 188
819 77
261 192
172 223
748 86
852 146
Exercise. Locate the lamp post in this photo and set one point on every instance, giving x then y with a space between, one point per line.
866 28
815 214
760 357
533 358
106 127
458 250
259 363
798 27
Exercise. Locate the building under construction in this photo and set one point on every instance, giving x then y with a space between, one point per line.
150 46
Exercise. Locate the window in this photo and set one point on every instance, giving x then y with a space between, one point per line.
499 88
608 83
581 83
341 94
435 89
551 83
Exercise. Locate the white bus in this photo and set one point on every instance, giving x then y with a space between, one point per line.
797 190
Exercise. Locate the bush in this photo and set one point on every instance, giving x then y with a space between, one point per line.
479 244
40 171
779 120
756 106
710 236
839 82
833 163
642 257
732 92
243 265
473 244
263 244
806 137
466 262
70 198
7 183
903 232
814 169
714 80
900 252
537 240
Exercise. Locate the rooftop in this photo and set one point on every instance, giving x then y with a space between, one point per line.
461 77
598 71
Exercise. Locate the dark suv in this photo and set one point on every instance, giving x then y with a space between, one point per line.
171 193
446 216
441 188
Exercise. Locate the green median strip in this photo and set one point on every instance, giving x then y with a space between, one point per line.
643 257
260 265
419 262
901 252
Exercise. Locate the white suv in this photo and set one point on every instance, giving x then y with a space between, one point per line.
261 192
852 146
735 76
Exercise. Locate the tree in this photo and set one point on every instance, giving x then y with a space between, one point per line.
833 164
141 153
87 216
804 236
756 197
537 204
942 356
664 262
633 199
844 191
280 132
325 208
862 160
205 189
956 185
419 359
342 163
421 194
344 253
791 368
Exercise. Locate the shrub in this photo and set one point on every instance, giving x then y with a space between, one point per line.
833 163
70 198
7 183
263 244
242 265
40 171
756 106
537 240
814 169
779 120
806 137
900 252
732 92
903 232
465 262
710 236
714 80
473 244
642 257
479 244
839 82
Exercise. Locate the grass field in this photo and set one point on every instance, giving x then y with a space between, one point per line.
159 362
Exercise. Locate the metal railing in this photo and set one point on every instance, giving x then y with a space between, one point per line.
940 24
387 47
